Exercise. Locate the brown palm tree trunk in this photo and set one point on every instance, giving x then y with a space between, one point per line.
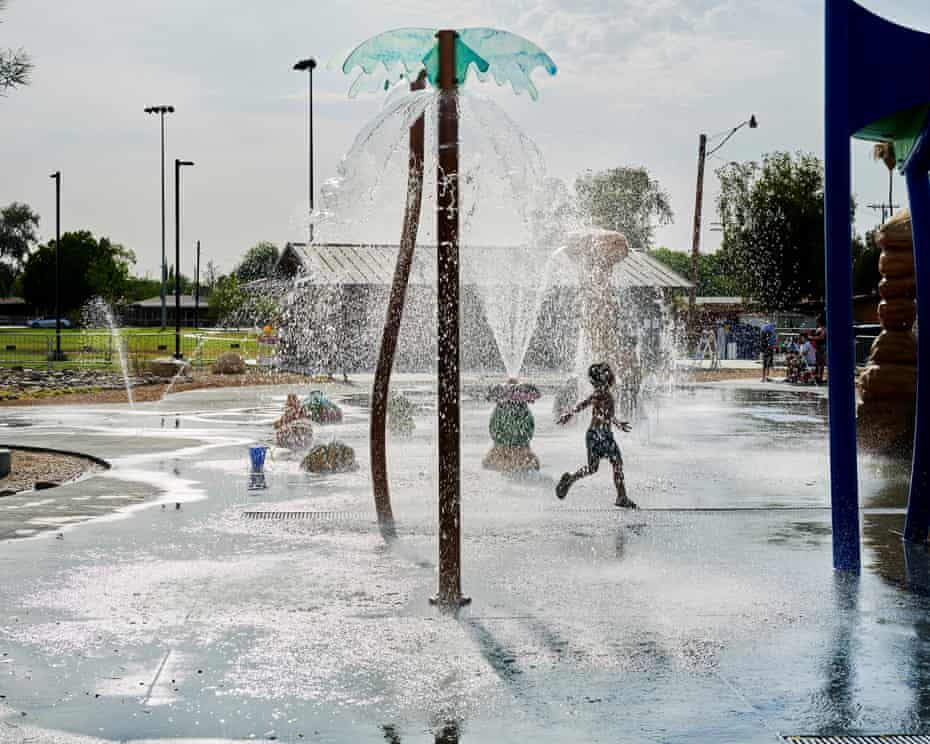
381 387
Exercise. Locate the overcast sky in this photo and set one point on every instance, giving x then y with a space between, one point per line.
638 81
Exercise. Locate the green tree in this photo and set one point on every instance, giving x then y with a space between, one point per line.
715 279
232 305
88 268
627 200
866 275
8 276
18 225
772 217
141 288
227 298
258 263
15 65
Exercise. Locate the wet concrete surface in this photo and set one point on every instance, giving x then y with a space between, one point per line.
712 614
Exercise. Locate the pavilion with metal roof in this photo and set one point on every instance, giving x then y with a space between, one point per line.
357 265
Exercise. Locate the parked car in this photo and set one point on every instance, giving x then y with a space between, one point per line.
48 323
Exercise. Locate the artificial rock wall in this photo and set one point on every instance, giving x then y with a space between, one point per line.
888 386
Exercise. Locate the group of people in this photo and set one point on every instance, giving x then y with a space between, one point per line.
805 355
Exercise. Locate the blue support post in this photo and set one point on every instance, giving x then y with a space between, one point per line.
844 485
918 503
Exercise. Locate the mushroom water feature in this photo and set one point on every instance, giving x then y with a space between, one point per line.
443 59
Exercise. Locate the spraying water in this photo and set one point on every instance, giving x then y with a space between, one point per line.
182 367
98 313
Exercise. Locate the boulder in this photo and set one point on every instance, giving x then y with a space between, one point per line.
166 367
229 363
321 409
335 457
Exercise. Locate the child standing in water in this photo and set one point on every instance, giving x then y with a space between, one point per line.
600 438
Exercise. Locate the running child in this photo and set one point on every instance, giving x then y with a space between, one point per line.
599 438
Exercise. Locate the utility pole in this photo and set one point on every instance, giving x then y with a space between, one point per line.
197 289
703 154
57 178
309 65
177 255
696 235
161 111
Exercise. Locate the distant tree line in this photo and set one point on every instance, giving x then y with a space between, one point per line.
99 267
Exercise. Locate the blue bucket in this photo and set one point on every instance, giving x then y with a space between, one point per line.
257 457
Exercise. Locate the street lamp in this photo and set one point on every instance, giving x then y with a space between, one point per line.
309 65
161 111
178 164
703 153
56 176
197 289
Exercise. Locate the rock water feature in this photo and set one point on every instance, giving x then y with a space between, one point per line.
400 413
512 427
888 387
293 430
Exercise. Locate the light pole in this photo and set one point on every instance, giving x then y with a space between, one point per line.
197 288
309 65
56 176
177 255
161 111
703 154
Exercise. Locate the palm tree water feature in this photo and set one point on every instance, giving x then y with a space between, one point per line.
446 57
380 391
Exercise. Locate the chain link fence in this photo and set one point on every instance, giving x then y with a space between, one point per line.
103 350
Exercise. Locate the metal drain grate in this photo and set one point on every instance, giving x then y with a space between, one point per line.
877 739
320 516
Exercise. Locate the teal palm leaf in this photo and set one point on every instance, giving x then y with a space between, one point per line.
401 54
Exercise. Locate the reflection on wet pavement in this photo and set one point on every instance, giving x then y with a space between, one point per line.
713 614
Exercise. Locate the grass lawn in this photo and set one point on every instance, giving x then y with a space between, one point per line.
98 348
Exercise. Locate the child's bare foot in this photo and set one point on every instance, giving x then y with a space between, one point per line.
625 503
561 490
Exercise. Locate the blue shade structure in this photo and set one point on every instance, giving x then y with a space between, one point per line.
882 95
403 53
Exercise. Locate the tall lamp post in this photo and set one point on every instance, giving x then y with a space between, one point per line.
56 176
178 164
309 65
197 289
161 111
703 154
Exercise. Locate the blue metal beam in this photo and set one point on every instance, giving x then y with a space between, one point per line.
844 479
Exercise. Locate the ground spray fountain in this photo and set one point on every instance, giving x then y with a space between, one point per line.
97 313
442 59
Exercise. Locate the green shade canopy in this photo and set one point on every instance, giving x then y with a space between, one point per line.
403 53
903 129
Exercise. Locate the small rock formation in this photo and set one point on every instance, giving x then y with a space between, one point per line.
294 430
335 457
166 367
511 428
321 409
400 411
229 363
888 386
